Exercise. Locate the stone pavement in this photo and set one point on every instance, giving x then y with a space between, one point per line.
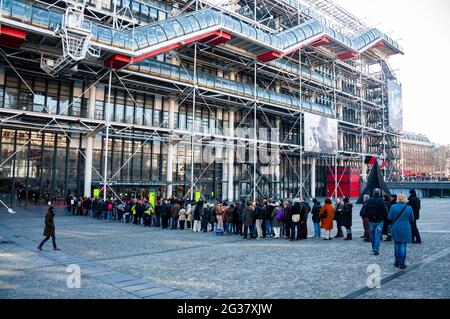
128 261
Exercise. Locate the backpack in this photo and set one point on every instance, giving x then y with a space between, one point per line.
280 214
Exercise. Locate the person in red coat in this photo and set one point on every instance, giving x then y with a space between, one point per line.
327 216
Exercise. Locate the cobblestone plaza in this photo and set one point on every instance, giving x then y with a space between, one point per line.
129 261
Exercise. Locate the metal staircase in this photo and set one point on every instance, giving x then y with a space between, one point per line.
75 39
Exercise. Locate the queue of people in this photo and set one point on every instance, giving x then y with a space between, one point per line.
394 217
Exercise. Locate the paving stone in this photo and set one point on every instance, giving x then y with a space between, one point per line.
136 262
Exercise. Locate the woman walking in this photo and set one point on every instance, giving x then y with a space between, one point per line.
49 230
401 216
327 216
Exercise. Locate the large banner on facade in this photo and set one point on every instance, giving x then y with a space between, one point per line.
321 134
395 105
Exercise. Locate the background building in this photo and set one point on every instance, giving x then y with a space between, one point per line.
131 93
418 154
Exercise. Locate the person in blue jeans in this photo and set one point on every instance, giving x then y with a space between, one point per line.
315 212
375 211
401 216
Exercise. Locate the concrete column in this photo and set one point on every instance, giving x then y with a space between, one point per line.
171 147
89 145
230 157
313 177
278 161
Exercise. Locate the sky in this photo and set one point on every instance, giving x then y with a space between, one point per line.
422 27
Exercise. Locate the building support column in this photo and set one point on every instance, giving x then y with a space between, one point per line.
230 157
278 161
313 176
171 148
89 145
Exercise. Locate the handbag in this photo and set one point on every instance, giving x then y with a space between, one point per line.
398 216
295 218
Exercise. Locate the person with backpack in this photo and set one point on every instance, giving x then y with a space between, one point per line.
401 216
296 212
316 218
327 216
375 211
277 219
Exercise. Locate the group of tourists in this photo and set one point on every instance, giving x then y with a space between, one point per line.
392 216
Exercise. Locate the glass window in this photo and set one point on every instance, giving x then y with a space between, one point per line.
129 110
119 106
40 17
11 92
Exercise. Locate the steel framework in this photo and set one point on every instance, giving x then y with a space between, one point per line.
323 75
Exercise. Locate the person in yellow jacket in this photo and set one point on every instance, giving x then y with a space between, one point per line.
147 215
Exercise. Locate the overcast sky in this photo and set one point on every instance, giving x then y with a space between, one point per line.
422 28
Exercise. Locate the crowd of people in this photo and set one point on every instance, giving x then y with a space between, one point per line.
391 216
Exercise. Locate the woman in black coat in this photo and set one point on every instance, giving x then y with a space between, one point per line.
49 230
346 217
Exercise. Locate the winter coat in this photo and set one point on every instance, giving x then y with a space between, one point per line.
346 218
315 212
166 211
414 202
49 229
401 229
338 211
260 212
188 213
182 214
287 217
275 220
229 215
269 208
327 223
247 216
241 211
198 211
175 210
211 214
375 209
